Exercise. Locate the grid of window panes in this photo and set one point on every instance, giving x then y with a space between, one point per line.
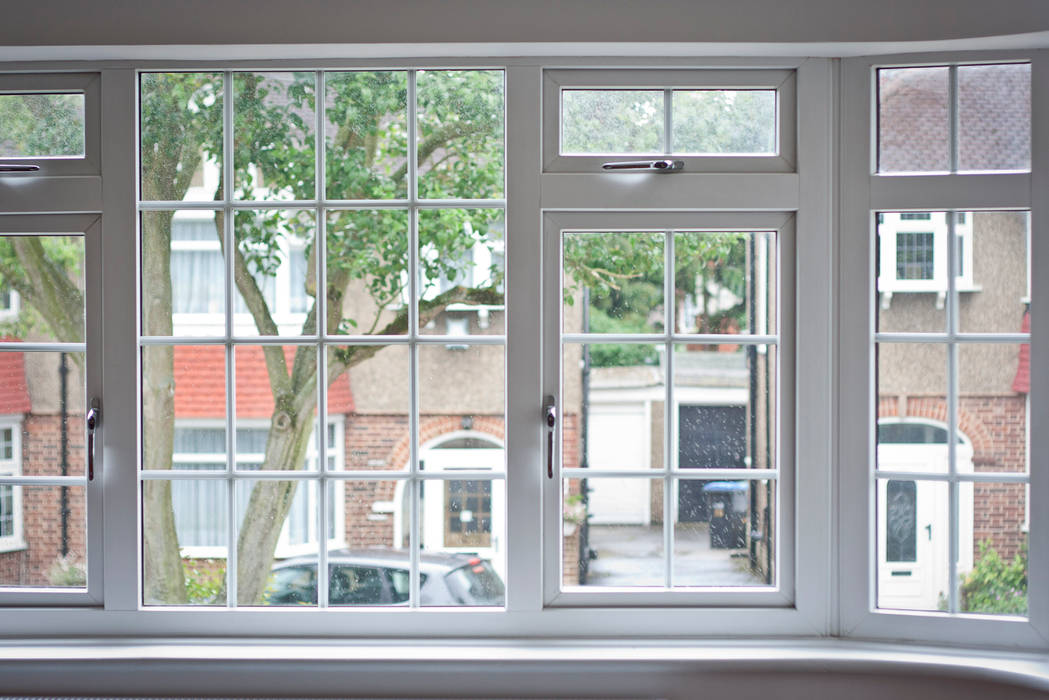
322 248
953 356
669 452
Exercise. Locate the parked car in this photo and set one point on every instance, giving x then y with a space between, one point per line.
380 577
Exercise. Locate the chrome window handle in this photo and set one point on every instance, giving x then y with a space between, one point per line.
94 417
550 419
660 166
18 168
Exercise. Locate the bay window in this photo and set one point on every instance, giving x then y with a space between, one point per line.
655 346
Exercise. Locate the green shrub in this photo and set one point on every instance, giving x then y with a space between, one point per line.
205 582
995 586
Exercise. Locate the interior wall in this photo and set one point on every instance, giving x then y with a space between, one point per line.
128 22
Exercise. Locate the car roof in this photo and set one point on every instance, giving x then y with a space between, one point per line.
383 556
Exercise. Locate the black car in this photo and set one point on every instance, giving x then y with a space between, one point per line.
380 577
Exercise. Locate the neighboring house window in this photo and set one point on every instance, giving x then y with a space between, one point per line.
10 494
913 253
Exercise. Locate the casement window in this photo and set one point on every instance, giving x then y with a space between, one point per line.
11 537
734 383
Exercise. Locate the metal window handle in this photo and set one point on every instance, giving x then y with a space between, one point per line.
550 419
660 166
94 417
17 168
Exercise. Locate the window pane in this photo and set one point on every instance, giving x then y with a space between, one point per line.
272 245
41 125
994 261
913 134
724 122
265 373
621 520
992 405
603 429
183 407
183 274
463 535
460 146
48 274
43 532
367 271
727 542
274 124
726 398
613 282
185 541
369 556
366 134
612 122
912 390
725 282
994 117
371 401
913 550
993 549
266 519
461 271
911 265
181 122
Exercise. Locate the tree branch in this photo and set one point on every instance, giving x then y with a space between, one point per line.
448 132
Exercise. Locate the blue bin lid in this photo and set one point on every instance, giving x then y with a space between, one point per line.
725 487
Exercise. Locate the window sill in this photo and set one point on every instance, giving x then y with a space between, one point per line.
545 667
8 546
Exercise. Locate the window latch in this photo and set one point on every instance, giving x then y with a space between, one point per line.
659 166
550 420
94 417
18 168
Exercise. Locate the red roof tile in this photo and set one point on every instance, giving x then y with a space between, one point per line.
1022 382
14 392
200 383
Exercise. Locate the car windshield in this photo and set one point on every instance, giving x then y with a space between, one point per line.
476 584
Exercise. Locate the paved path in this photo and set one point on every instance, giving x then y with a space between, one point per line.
632 555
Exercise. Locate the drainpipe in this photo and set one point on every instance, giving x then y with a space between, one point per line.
63 408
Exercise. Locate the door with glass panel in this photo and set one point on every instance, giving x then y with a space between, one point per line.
668 354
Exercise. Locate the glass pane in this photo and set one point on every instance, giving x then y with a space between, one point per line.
461 270
274 124
994 117
185 541
42 125
724 122
612 122
460 121
461 391
183 407
913 551
370 400
725 282
993 271
42 536
992 569
275 249
366 135
463 560
277 542
911 265
913 134
368 547
183 274
181 123
613 401
272 434
42 405
912 407
992 406
621 520
726 540
367 272
726 397
613 282
48 274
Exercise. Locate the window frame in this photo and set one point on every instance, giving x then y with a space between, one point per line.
13 467
866 192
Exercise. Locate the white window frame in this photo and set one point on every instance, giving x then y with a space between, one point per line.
780 80
865 193
13 467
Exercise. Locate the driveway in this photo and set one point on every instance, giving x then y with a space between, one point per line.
632 555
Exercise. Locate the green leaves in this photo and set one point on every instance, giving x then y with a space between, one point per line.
995 586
